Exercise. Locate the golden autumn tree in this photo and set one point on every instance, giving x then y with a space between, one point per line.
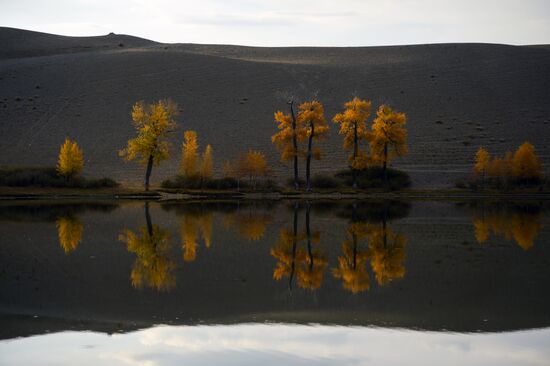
189 165
312 267
207 163
482 162
387 253
69 231
353 127
291 133
352 264
526 164
71 160
312 116
389 137
153 267
255 166
152 122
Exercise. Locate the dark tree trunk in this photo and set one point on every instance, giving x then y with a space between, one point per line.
308 161
148 171
294 145
355 153
308 232
148 220
385 169
294 245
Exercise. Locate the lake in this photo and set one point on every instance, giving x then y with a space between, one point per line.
330 282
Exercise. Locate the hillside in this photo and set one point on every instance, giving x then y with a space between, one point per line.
457 97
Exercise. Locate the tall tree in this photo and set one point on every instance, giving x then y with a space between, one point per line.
290 134
526 164
482 162
207 163
152 122
312 115
354 128
189 155
70 161
389 137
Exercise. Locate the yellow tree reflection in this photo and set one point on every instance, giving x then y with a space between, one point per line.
193 224
387 253
250 224
522 227
352 264
69 231
153 267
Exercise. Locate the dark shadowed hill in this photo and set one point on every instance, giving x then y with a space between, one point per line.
457 97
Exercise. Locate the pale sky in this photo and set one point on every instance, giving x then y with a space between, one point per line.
290 23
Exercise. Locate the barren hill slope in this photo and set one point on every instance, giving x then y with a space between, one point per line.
457 97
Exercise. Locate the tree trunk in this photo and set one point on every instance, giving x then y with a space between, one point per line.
308 161
308 231
148 171
355 153
294 245
294 145
148 220
385 169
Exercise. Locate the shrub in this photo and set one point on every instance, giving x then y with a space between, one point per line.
373 178
49 177
324 181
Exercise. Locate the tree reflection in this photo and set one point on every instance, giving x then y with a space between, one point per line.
153 267
69 231
250 223
385 252
307 265
195 223
520 223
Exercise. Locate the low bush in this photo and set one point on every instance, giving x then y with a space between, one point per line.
48 177
324 181
182 182
373 177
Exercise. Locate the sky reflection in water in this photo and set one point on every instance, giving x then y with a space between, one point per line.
273 344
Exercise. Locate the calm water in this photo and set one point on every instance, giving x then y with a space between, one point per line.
208 283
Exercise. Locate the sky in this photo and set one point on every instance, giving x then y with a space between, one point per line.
290 23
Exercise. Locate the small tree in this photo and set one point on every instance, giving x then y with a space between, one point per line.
482 162
291 132
152 122
189 155
354 128
70 161
312 115
389 137
256 166
526 164
207 163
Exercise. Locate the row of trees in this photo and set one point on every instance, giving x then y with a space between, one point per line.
523 165
387 137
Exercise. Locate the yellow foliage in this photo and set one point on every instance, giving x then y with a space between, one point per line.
69 231
284 139
153 267
482 161
312 116
251 226
189 154
526 164
389 136
192 224
70 161
207 163
354 128
352 268
481 229
152 123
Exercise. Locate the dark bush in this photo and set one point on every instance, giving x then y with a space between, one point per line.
181 182
48 177
373 178
324 181
290 182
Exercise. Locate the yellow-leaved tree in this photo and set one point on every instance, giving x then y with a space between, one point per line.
354 128
352 265
526 164
482 162
189 165
207 163
152 122
312 116
291 133
70 161
389 137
